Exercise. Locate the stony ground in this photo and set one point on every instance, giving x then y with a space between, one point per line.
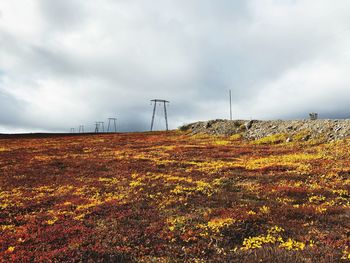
327 130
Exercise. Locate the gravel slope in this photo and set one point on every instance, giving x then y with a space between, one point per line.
255 129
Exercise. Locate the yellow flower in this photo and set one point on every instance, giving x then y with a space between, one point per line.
52 221
316 199
218 223
251 212
292 245
10 249
273 237
346 255
275 230
264 209
321 209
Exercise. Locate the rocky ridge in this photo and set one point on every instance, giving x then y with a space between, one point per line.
326 129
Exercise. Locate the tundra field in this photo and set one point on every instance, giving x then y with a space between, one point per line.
173 197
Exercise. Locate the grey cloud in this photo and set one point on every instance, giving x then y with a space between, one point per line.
62 14
89 60
11 109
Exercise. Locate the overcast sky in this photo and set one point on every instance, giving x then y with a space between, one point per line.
69 62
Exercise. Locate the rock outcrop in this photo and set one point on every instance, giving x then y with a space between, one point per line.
328 130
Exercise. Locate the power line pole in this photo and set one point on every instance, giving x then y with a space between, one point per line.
72 130
230 105
114 122
81 129
155 101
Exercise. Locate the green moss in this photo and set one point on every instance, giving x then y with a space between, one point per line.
272 139
302 136
236 136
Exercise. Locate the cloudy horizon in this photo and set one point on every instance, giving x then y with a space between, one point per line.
73 62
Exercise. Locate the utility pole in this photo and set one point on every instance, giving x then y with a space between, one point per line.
155 101
114 120
230 105
72 130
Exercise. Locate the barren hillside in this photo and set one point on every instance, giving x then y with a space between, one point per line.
327 130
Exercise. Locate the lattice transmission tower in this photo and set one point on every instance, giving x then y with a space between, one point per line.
164 102
110 121
81 128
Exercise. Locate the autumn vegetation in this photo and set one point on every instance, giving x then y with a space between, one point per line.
173 197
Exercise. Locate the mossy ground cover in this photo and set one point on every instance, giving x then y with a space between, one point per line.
172 197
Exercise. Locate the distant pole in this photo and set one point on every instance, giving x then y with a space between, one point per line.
81 129
72 130
155 101
230 106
